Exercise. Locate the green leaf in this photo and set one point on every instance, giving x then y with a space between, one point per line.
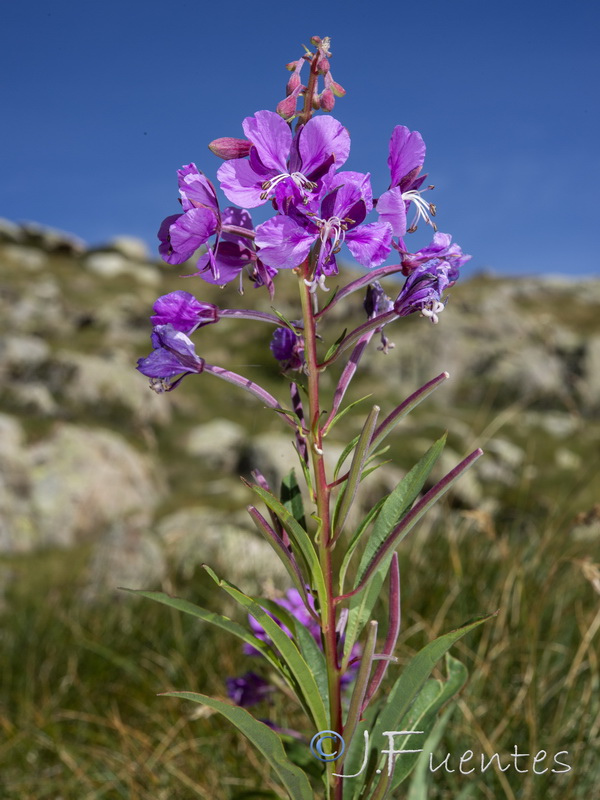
266 741
345 453
358 461
344 411
291 498
305 685
218 620
352 545
335 345
395 506
312 653
413 677
425 715
418 787
301 541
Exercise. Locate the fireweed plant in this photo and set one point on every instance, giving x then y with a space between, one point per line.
318 641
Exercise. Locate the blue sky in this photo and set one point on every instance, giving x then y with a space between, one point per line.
102 102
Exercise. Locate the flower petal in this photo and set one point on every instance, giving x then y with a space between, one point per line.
370 244
271 136
407 152
282 243
240 183
322 141
392 209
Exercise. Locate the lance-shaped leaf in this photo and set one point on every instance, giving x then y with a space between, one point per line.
394 508
344 381
353 543
425 715
392 632
413 516
306 687
404 408
266 741
409 684
355 474
312 653
361 683
301 542
219 621
286 557
291 498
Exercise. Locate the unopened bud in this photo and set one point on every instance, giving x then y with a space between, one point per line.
293 83
338 90
287 108
323 65
228 148
316 40
327 100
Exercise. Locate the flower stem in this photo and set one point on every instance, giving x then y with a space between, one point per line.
322 495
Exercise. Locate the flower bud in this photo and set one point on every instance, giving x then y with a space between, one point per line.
293 83
327 100
316 40
338 90
287 108
228 147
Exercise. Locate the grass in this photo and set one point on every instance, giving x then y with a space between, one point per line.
79 714
80 717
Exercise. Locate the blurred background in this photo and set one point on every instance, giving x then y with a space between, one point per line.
104 484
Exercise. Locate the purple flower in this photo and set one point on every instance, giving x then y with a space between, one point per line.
181 235
173 354
423 290
406 158
235 252
248 690
329 219
282 164
288 348
439 248
183 312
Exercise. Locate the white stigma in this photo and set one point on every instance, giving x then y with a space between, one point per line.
424 210
299 179
432 309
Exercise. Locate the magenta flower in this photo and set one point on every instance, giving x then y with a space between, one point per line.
440 247
423 290
181 235
173 354
406 158
281 164
288 348
183 312
345 199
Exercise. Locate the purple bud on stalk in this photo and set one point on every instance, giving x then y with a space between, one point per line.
288 348
228 148
327 100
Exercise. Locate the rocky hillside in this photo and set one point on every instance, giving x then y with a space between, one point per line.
89 457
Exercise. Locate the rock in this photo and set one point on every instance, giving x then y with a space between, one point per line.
129 556
129 246
51 240
83 480
107 264
16 522
31 259
10 231
92 381
226 542
218 444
